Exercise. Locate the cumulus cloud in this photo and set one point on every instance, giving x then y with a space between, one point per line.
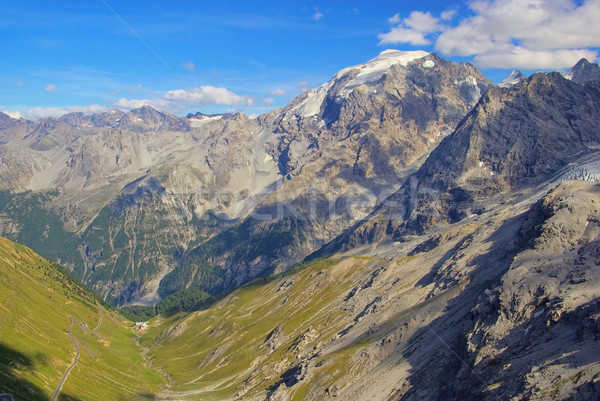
190 66
317 16
277 92
50 88
413 29
510 33
403 35
532 59
178 100
40 112
394 19
209 95
173 101
159 104
268 101
448 15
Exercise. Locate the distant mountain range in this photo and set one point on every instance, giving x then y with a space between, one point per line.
143 204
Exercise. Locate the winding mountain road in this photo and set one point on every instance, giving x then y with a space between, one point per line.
99 323
76 344
76 341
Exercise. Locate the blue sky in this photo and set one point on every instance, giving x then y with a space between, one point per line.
217 56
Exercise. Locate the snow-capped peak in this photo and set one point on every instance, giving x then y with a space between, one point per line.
512 79
369 72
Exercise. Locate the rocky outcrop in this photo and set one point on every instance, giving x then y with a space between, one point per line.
147 119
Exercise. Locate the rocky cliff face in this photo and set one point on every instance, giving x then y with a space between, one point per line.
515 138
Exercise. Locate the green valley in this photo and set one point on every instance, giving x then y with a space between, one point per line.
37 301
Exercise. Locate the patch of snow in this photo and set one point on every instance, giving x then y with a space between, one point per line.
312 104
198 123
480 164
13 114
268 158
374 69
428 64
539 313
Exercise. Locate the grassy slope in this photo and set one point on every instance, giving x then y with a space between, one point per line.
36 301
210 353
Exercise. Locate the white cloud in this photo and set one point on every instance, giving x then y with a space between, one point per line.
277 92
532 59
173 101
190 66
317 16
448 15
268 101
413 29
395 19
209 95
50 88
510 33
403 35
39 112
159 104
178 100
422 22
303 86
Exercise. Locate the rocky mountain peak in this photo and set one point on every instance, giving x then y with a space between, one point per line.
583 72
4 117
76 119
407 100
512 79
147 119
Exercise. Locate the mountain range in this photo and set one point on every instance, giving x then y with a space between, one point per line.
406 231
